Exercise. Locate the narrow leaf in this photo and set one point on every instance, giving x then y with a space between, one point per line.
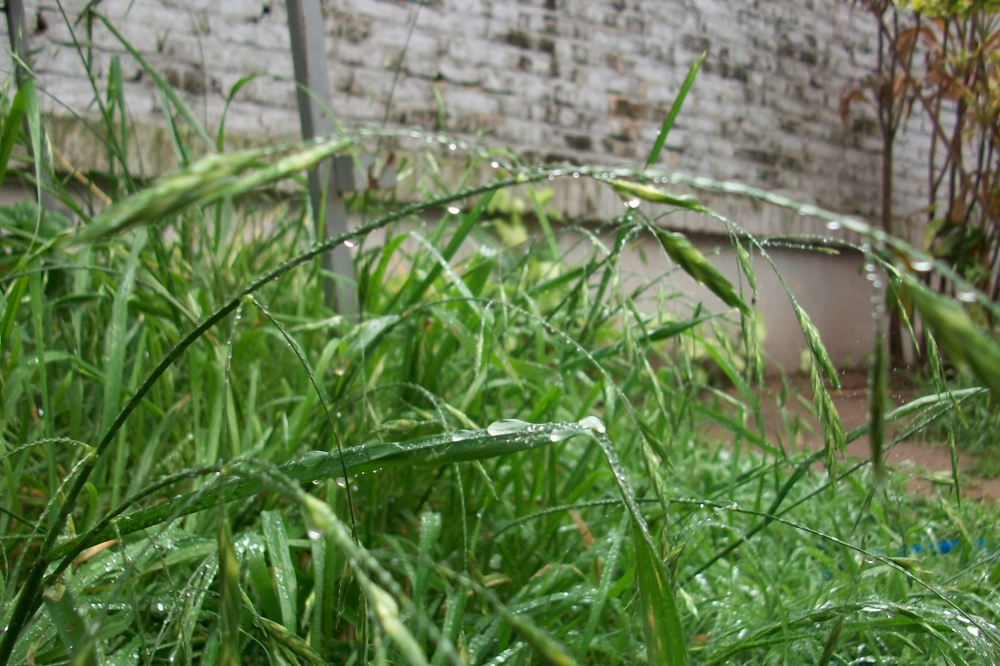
231 599
697 266
630 191
276 538
675 108
11 129
954 330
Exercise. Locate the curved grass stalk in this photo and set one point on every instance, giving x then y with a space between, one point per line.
28 598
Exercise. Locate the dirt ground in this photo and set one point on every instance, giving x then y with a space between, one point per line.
928 462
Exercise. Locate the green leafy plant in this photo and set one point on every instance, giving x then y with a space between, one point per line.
202 463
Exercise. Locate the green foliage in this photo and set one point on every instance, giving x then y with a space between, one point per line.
505 459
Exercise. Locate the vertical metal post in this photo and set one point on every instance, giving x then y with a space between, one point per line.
15 27
305 25
14 9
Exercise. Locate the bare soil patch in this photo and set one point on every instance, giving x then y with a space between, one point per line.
929 463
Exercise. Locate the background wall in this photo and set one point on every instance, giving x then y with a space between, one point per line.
579 80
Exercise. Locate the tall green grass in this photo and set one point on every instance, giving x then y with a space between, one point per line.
505 459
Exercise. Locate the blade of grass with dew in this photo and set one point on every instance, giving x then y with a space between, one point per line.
694 263
276 538
675 108
469 221
954 330
39 332
452 626
62 610
114 369
601 596
665 640
878 398
230 614
254 548
27 598
430 531
499 438
632 191
199 584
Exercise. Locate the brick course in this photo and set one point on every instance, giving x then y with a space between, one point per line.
586 80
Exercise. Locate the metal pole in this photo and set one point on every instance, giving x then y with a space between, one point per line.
305 25
15 26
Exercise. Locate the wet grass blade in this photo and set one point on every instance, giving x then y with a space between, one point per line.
468 223
65 616
276 538
230 615
661 622
502 437
957 335
694 263
254 551
631 192
114 369
11 129
164 87
675 108
878 398
610 566
430 531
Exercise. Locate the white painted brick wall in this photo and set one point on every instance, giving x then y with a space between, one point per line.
586 80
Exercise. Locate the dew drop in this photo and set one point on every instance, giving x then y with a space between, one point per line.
576 175
507 427
634 203
452 146
922 266
349 243
314 534
560 434
966 296
495 165
342 482
593 423
833 225
454 210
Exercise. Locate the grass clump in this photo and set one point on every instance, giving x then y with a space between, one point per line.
203 463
